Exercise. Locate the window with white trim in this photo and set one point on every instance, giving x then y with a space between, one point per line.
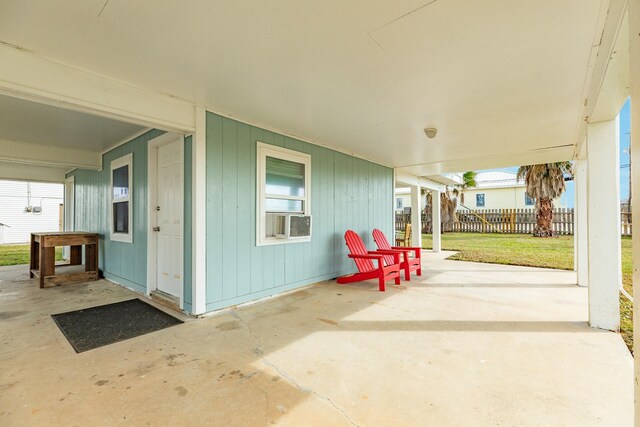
529 201
283 184
121 201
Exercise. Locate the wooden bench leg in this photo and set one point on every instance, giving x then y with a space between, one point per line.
75 255
47 263
91 258
33 260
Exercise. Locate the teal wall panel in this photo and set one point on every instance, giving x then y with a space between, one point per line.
126 263
346 193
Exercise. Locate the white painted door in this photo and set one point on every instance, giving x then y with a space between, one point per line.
170 205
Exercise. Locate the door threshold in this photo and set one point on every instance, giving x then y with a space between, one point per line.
166 299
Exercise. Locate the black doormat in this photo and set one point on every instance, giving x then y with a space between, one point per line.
95 327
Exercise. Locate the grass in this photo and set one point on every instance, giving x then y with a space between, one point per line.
519 249
19 254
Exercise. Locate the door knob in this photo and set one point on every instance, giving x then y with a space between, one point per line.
156 228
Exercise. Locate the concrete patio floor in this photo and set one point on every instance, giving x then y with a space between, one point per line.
468 344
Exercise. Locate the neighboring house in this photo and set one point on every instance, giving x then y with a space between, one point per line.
29 206
495 190
499 190
402 202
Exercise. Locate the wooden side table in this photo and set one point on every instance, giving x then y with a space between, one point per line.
43 257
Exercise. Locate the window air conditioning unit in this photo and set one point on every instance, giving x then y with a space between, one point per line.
292 226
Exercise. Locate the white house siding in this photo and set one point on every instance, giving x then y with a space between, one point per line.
495 198
404 195
500 198
13 201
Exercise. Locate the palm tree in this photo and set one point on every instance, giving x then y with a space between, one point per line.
448 206
544 182
468 181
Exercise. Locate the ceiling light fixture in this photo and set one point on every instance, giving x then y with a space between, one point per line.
431 132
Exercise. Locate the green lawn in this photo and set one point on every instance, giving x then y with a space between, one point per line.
519 249
19 254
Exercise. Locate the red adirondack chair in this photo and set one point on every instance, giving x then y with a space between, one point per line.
364 263
407 264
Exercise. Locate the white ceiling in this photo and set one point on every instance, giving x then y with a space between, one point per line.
500 79
35 123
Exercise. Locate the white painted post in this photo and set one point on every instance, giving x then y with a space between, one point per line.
603 223
634 76
416 213
436 221
199 213
575 219
580 230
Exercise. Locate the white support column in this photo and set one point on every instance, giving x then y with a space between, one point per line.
603 223
634 76
435 221
580 232
199 213
416 213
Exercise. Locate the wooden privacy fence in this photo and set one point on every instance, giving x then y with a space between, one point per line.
509 221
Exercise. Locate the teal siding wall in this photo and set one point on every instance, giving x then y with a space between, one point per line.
126 263
346 193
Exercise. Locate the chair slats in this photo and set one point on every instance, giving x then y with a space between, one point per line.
383 244
356 246
408 264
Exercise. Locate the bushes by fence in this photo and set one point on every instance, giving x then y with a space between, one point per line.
510 221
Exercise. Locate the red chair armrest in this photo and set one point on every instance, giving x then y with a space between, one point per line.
416 249
378 258
395 254
365 256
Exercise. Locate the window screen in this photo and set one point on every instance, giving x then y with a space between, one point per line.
284 185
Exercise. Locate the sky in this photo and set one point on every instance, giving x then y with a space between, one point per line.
567 199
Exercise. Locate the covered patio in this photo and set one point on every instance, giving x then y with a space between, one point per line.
116 99
466 344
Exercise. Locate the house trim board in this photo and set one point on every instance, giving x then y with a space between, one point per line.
199 213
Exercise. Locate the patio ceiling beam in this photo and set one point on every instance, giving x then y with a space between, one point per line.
408 179
26 75
601 80
35 173
563 151
44 155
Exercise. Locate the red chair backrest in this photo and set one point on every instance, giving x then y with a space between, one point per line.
383 244
356 247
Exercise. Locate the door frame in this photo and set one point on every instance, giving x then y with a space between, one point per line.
152 216
69 219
